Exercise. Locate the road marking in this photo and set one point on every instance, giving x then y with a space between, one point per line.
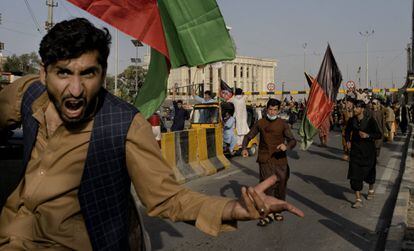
386 176
360 236
227 174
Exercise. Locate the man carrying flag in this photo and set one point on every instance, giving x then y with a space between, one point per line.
323 92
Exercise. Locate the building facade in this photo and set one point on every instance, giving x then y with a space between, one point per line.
249 73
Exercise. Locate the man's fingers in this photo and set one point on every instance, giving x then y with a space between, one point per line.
262 186
258 203
247 201
280 207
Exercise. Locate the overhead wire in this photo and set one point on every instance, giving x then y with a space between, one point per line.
33 17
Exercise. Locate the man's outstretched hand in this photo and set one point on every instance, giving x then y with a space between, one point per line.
255 204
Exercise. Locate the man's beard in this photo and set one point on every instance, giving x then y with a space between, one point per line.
72 122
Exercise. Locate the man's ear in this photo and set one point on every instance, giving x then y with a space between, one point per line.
42 74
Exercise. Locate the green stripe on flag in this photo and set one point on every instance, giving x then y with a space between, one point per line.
153 92
195 32
307 131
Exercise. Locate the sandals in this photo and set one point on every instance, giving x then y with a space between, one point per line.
269 219
278 217
357 203
370 195
266 220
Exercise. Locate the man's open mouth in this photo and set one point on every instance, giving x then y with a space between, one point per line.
74 107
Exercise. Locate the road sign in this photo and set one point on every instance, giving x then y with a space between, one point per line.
271 86
350 84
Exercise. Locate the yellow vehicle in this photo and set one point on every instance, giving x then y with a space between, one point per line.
209 115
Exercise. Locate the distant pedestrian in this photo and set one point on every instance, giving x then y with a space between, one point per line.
240 114
378 114
346 113
360 134
275 139
228 131
180 115
389 122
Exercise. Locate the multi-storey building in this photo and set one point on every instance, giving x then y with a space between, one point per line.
249 73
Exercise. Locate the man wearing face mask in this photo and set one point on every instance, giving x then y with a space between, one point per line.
275 139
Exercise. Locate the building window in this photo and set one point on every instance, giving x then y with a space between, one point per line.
247 72
241 71
219 74
235 71
211 75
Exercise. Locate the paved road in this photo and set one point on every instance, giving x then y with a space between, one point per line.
318 186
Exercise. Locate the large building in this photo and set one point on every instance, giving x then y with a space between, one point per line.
250 74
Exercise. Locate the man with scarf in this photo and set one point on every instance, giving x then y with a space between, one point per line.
275 139
360 135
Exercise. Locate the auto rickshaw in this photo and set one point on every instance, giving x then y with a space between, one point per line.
209 115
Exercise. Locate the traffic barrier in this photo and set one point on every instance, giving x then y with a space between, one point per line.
210 150
180 151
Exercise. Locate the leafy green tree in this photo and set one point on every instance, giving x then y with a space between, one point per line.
129 82
27 63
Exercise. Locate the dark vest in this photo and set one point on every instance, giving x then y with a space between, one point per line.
104 192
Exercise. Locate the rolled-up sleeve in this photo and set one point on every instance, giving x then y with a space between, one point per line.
157 189
11 99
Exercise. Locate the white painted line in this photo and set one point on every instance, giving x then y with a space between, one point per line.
227 174
360 236
386 175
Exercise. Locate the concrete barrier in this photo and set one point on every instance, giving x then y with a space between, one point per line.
210 150
180 150
399 223
194 153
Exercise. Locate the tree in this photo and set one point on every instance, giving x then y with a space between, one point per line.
128 87
27 63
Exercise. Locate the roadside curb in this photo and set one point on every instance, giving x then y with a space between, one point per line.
399 222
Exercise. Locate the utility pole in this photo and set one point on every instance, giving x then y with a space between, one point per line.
136 60
304 62
50 5
366 35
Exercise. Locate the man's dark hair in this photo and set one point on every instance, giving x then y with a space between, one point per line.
273 102
71 38
179 101
239 91
360 103
208 93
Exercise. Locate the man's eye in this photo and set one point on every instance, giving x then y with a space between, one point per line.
62 74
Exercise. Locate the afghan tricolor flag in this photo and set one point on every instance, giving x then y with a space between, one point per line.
323 92
225 91
179 32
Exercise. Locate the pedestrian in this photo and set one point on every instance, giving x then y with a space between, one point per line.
240 114
360 134
389 122
83 147
378 115
346 113
180 114
207 98
228 131
404 118
275 139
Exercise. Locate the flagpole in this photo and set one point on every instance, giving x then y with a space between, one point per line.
116 63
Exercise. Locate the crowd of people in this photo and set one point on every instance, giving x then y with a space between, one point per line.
84 147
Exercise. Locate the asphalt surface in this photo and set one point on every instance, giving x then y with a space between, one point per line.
318 186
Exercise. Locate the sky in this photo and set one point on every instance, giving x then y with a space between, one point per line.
293 32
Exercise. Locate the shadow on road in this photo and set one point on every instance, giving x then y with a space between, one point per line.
345 228
235 186
155 232
325 186
325 155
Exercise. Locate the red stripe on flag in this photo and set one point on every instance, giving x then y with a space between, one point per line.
137 18
319 105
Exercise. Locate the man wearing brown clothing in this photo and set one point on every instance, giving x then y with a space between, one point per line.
275 138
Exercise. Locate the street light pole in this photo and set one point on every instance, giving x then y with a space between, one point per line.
304 62
366 35
137 44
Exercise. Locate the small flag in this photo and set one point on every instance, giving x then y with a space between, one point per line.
225 91
322 96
